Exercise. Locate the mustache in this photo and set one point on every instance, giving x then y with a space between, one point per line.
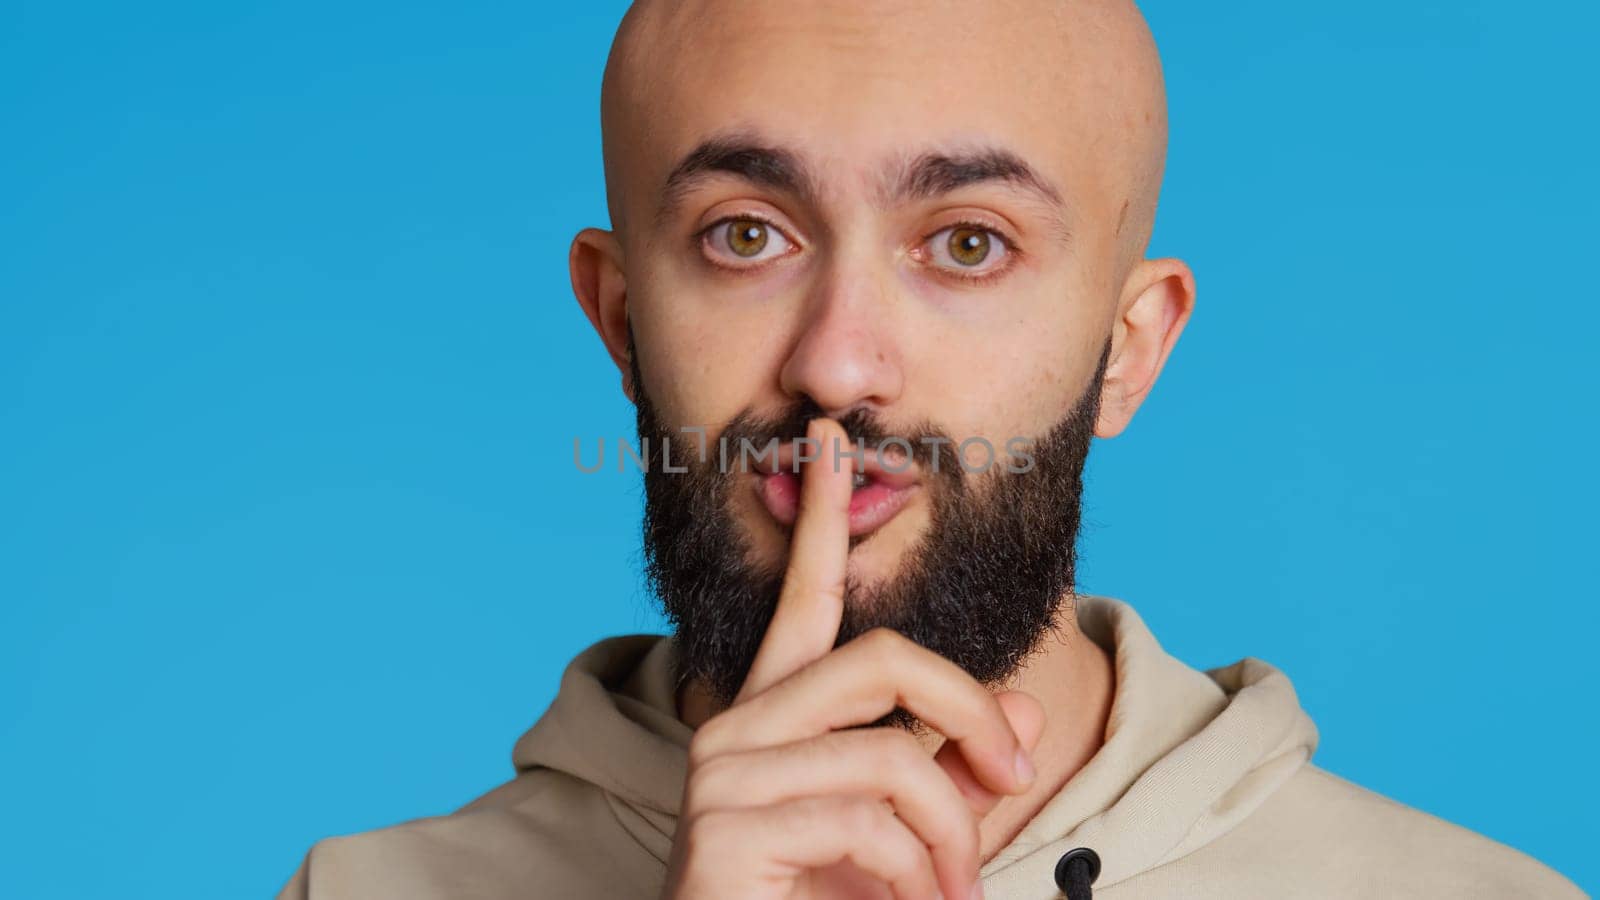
928 442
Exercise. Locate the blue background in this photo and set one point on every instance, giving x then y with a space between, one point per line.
290 540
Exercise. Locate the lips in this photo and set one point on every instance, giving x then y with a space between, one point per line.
883 488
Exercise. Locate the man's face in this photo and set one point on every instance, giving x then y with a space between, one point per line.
912 219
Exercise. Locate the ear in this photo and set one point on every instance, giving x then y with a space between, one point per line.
595 261
1156 301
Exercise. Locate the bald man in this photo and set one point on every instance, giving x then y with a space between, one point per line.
876 278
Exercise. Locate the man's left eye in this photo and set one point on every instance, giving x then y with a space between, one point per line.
968 249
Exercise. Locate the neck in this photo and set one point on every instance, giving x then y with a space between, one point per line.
1072 676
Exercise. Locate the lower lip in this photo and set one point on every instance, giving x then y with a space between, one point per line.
870 507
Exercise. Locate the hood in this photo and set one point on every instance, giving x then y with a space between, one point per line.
1188 753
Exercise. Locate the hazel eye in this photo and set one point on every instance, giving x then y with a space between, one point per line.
968 246
742 240
746 238
968 249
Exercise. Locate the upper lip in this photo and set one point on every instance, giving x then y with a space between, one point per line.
893 473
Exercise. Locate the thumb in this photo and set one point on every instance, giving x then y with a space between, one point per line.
1026 715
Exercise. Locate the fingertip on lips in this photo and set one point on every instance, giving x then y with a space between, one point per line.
869 498
868 507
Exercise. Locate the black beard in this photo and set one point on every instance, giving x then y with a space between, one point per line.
982 588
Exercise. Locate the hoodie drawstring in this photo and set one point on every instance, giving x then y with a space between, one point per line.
1076 870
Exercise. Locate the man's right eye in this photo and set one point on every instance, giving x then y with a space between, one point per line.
742 241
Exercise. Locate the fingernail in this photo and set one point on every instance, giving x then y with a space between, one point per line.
977 890
1024 767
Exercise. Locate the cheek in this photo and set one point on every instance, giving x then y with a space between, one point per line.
1014 377
711 347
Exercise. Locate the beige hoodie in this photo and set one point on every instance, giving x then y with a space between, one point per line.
1203 789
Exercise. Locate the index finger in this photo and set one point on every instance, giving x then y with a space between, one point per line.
805 623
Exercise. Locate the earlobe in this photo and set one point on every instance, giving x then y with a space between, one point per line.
1157 299
598 283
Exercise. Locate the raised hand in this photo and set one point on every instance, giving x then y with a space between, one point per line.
781 803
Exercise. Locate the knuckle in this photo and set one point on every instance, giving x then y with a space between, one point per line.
978 705
900 746
813 584
706 743
958 831
900 760
882 641
981 707
706 830
892 754
866 816
875 768
707 780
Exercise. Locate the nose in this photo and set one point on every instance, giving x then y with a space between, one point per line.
845 355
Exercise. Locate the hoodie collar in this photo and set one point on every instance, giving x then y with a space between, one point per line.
1188 753
614 723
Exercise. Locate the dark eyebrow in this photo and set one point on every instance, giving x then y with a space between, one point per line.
928 175
738 155
933 174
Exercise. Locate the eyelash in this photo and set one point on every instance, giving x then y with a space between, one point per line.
1012 251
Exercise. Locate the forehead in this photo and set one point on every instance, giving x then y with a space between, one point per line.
858 91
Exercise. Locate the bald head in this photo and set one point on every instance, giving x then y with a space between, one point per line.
1071 87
